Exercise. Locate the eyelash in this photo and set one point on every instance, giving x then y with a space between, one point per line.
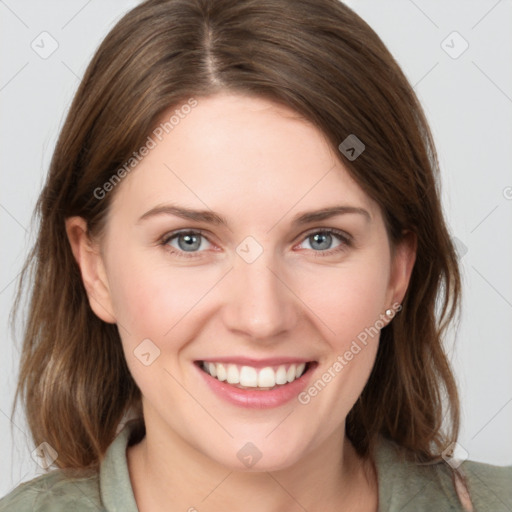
345 240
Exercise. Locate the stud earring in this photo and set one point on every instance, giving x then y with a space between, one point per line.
390 313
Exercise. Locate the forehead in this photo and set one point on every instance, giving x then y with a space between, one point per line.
238 154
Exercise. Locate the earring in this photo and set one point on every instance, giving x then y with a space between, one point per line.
390 313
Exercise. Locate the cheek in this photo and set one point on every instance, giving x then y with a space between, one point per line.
150 299
349 309
155 302
346 299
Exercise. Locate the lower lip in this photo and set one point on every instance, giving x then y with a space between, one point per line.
257 399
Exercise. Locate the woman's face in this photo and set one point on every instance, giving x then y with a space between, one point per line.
241 241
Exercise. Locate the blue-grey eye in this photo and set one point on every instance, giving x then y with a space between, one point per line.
188 242
323 241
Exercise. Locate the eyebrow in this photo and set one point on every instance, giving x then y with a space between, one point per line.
211 217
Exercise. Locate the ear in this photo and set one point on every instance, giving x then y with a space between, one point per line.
92 268
402 263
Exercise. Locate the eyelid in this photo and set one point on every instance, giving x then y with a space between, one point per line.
165 239
345 238
197 231
173 234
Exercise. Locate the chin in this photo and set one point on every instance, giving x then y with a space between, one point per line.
259 453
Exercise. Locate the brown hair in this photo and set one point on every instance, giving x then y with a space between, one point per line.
323 61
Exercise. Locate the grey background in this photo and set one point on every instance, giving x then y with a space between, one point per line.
468 101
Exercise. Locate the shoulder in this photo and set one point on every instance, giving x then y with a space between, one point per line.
490 487
98 490
57 492
409 486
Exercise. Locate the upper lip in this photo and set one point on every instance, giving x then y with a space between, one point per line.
257 363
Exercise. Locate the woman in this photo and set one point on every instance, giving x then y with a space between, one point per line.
240 256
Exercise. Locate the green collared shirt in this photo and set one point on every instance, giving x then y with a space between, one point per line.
403 486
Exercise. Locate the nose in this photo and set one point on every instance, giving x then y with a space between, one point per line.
260 303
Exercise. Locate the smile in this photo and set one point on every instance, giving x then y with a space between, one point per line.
256 383
244 376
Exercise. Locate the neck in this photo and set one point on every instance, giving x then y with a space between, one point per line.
169 474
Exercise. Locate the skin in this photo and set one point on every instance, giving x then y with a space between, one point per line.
258 165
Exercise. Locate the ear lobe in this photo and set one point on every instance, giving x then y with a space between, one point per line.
92 269
403 262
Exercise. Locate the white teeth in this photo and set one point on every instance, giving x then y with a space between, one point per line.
221 372
233 374
250 377
266 378
281 375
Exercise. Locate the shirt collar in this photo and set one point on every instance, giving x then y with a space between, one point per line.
115 485
394 474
